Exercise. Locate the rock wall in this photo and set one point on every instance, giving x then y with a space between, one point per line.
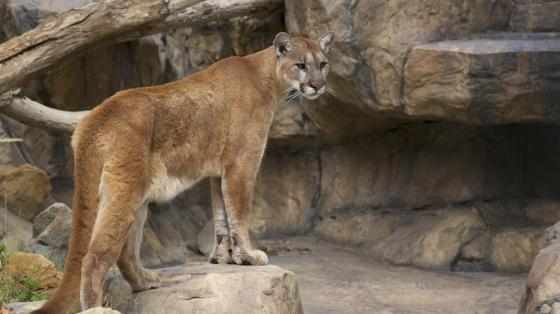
436 147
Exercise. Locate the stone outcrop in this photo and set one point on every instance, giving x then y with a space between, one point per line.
207 288
484 81
543 288
25 188
441 64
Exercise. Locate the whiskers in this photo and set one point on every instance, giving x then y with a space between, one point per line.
292 94
330 92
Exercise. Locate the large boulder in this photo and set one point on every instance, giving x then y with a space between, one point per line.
25 188
543 286
207 288
24 266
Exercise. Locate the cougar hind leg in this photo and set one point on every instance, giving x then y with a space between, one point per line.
122 191
129 263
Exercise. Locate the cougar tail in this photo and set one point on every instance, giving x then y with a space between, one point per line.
87 173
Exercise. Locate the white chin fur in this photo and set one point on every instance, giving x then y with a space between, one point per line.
312 97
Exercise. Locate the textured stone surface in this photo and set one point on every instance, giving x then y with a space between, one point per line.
333 279
53 226
25 307
552 235
535 17
484 81
47 216
25 188
440 163
474 255
100 310
513 250
428 239
207 288
171 229
543 286
285 195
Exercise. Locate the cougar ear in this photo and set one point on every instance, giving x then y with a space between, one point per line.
325 41
283 42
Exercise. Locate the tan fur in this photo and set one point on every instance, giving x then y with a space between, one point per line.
151 143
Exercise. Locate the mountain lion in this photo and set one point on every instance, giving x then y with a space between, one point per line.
151 143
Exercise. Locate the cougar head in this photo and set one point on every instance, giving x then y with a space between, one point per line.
302 63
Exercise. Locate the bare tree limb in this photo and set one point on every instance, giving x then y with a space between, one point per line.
35 114
97 24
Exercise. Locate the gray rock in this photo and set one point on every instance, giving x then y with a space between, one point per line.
465 88
100 310
552 235
543 211
57 233
207 288
542 286
285 197
545 309
555 308
428 239
535 17
513 249
48 216
14 228
25 307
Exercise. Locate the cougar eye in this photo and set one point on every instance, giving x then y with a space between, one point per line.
300 66
323 64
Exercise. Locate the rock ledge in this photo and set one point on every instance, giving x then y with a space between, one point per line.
207 288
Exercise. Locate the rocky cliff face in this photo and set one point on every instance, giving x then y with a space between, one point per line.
436 147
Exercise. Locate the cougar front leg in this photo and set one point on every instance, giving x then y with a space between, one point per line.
237 187
221 252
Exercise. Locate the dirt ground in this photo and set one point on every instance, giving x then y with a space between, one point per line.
334 280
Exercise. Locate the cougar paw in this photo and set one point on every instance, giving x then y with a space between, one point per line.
149 280
220 258
254 257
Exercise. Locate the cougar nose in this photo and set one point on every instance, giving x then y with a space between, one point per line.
316 85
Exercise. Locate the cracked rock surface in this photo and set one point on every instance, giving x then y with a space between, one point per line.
208 288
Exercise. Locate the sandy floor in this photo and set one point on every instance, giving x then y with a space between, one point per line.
333 280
